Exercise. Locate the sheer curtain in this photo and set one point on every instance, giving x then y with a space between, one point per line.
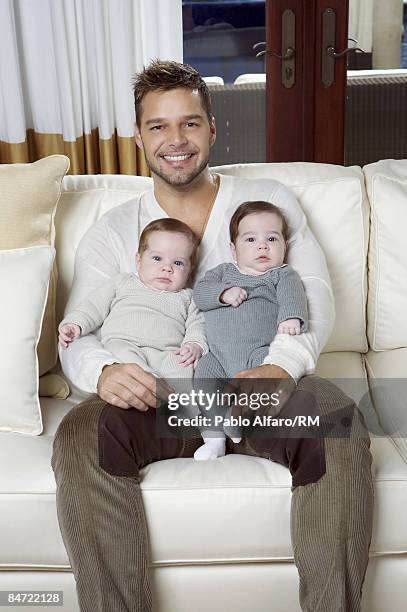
65 77
361 23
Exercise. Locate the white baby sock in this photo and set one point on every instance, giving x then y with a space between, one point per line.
212 449
232 430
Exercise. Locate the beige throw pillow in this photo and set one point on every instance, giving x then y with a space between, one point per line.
29 194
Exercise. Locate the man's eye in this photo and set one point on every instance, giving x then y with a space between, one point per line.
191 124
155 128
179 263
156 258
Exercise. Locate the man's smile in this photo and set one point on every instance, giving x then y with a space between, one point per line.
178 160
178 157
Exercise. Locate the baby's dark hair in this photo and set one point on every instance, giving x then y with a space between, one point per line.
248 208
168 224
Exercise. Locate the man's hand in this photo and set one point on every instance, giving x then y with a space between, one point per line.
127 385
190 352
264 371
234 296
262 379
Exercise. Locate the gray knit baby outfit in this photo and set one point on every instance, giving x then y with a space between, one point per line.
239 338
142 325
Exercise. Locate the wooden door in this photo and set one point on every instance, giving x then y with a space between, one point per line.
306 110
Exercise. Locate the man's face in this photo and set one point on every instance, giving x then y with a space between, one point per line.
175 135
259 244
166 262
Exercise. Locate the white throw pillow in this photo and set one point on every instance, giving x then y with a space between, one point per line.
24 279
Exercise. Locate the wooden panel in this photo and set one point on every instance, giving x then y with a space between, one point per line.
330 101
284 123
305 122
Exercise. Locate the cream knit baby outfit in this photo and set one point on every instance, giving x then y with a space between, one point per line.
142 325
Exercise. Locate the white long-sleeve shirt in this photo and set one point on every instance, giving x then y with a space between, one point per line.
109 248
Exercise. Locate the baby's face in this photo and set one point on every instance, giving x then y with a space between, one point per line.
166 263
259 244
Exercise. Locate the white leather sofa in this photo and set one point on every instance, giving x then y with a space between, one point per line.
220 531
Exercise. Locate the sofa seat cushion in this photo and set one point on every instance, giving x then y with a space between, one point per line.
386 364
28 517
341 366
235 509
387 372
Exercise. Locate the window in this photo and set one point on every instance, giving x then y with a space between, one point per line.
219 36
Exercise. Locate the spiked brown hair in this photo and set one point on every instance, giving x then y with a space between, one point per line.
164 76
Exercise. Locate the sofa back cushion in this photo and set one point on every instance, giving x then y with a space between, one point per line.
386 183
333 199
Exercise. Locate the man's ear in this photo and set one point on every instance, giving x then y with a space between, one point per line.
212 128
137 136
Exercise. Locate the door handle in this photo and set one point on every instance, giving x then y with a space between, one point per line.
338 54
287 55
328 51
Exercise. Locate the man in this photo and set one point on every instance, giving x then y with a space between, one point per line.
102 443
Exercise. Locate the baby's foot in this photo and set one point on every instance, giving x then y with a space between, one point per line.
212 449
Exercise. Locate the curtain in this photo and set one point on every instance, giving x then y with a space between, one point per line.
66 68
361 23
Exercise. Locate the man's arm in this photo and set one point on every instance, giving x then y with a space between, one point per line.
298 355
292 301
95 263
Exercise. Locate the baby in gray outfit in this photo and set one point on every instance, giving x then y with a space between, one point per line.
248 302
148 318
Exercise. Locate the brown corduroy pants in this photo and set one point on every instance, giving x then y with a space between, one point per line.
99 450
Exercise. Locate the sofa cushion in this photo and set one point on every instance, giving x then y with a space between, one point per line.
335 203
386 183
24 285
29 196
192 508
387 372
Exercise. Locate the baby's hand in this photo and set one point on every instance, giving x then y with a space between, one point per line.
290 326
234 296
190 352
67 333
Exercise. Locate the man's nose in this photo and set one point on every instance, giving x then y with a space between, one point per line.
177 136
